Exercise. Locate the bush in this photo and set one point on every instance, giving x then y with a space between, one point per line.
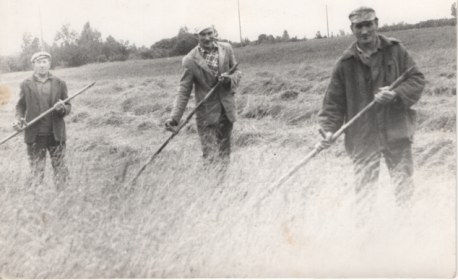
102 58
119 57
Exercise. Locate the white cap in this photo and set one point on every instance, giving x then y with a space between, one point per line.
40 55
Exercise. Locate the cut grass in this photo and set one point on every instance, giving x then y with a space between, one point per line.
180 220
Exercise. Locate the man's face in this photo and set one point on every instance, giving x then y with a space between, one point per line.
365 32
42 66
206 38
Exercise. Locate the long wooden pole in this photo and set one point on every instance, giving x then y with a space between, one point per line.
334 137
41 28
177 130
44 114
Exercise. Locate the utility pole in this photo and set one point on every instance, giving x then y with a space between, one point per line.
327 24
240 25
41 27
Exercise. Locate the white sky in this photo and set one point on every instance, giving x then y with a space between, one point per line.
145 22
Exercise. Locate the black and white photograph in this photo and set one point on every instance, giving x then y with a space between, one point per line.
228 139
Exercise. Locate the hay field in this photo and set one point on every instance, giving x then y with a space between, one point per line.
182 221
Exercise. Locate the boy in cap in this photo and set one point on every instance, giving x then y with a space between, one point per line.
39 93
203 67
362 75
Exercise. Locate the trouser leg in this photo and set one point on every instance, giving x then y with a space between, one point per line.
36 153
223 135
216 141
57 154
399 161
208 140
367 169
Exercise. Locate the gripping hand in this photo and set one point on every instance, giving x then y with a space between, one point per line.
326 142
170 124
17 125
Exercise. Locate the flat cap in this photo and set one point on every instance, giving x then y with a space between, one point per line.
39 55
362 14
202 28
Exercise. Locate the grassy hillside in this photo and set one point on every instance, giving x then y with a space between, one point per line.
181 221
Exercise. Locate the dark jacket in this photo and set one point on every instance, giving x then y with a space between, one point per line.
28 107
197 73
352 87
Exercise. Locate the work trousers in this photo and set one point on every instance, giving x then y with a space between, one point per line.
398 158
216 141
37 159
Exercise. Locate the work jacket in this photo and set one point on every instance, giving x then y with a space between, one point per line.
28 107
197 73
353 86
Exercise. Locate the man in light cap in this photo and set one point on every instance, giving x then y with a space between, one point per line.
39 93
362 75
205 65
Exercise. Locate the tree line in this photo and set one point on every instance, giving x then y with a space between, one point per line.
72 49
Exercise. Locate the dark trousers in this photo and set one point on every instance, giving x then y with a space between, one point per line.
37 158
399 161
216 141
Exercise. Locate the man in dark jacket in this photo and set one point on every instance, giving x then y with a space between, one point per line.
203 67
39 93
362 75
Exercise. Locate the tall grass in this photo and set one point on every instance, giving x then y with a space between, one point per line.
182 220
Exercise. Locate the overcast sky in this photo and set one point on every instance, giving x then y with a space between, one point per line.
145 22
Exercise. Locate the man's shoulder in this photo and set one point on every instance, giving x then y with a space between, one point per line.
348 53
351 51
389 40
224 45
26 81
190 56
57 79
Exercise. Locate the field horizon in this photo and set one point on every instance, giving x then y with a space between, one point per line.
181 220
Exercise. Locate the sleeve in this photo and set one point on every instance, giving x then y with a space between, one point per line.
64 95
411 89
332 115
237 75
21 105
183 94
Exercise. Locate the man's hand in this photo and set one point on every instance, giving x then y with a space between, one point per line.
60 107
224 78
384 96
170 124
17 125
326 142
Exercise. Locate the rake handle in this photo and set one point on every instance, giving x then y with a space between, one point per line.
336 135
44 114
177 130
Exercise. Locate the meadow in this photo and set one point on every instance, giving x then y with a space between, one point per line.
180 220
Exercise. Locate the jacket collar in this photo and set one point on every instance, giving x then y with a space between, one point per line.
198 58
33 78
33 86
202 50
383 43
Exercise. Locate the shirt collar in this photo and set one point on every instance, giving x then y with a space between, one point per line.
38 79
202 50
379 46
